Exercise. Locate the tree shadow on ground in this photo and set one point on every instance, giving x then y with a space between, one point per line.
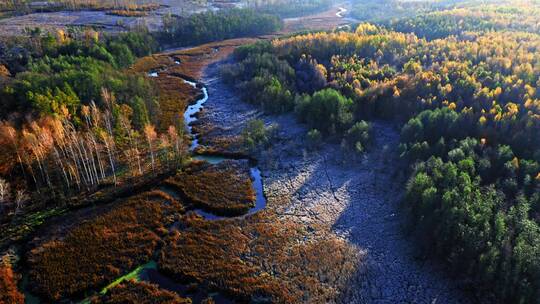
394 271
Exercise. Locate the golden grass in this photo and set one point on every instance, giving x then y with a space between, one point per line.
259 258
141 293
213 258
195 60
88 251
127 13
173 98
211 140
9 294
224 189
226 145
4 72
151 63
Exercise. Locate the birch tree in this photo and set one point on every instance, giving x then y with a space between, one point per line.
21 197
151 135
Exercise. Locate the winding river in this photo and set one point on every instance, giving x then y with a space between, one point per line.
149 272
190 117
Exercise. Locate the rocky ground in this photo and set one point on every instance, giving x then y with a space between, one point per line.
356 200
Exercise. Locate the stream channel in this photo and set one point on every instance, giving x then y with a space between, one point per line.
190 117
149 272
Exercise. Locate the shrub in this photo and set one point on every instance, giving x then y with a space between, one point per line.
358 137
256 135
8 287
327 111
224 189
139 292
92 250
314 139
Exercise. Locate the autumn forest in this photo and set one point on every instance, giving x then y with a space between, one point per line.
307 151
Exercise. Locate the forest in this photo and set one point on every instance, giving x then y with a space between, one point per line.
124 7
103 177
469 112
459 21
82 121
74 112
386 10
210 26
288 9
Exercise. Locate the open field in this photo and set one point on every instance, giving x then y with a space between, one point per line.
332 18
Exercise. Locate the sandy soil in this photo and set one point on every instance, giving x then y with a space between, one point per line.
357 201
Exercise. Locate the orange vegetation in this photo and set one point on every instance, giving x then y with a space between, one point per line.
194 60
211 141
4 72
8 287
85 252
139 292
174 97
134 10
173 94
258 259
127 13
225 189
